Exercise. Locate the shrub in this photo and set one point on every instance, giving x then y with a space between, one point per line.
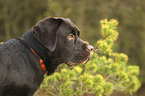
106 72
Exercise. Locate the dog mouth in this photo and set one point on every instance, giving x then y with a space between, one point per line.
69 63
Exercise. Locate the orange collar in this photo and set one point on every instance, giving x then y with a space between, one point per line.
41 62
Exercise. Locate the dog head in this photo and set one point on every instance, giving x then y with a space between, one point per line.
61 37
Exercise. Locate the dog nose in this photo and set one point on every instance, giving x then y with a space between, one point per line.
90 48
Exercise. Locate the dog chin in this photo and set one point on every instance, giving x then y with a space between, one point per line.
69 63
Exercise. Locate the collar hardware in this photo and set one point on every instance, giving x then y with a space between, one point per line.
41 62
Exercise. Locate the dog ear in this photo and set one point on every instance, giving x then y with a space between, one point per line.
46 32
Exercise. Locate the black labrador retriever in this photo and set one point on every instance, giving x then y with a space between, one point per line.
24 61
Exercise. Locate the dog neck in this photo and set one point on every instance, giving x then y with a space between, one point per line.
34 44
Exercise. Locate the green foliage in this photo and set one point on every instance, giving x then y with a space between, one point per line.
15 20
106 72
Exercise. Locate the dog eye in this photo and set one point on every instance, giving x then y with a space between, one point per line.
71 36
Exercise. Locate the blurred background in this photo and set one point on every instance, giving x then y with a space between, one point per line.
18 16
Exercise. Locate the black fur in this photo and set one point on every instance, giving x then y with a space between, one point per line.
20 71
